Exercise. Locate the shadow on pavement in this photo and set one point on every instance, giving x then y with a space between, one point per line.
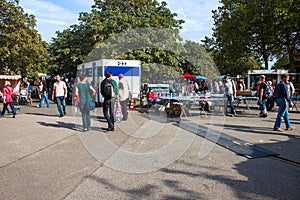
70 126
137 193
265 177
251 129
42 114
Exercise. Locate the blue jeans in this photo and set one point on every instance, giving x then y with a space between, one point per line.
12 106
85 115
283 113
61 105
44 98
231 102
262 105
108 111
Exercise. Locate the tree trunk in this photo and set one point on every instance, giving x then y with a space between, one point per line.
291 59
266 61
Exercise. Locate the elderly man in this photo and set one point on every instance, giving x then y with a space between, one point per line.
124 95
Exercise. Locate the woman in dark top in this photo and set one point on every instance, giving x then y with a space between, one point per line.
44 94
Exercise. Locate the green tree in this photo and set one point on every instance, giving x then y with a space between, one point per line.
22 49
263 28
70 47
287 24
107 19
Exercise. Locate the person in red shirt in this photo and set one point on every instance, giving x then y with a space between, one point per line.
7 99
151 97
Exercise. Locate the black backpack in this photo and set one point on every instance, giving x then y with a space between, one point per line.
108 89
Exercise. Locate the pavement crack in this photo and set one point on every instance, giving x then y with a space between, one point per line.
38 151
101 164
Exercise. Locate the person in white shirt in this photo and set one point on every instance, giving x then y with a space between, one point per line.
291 88
60 94
124 95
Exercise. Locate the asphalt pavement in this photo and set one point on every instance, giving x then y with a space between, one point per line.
146 157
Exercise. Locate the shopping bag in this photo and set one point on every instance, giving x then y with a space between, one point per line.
118 115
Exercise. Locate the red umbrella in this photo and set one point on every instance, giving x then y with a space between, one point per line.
187 75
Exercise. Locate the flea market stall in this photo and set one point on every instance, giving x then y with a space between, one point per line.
14 80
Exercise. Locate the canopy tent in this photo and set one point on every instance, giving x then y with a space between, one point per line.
187 75
14 80
222 77
201 78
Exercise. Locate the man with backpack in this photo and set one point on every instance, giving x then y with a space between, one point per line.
263 94
109 91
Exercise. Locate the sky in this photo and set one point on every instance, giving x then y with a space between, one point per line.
57 15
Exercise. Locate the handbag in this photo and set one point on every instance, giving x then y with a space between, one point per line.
91 102
92 105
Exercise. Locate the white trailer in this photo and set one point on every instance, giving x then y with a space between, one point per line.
272 75
96 71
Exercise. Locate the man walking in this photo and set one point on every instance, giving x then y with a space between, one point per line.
124 95
282 99
109 91
60 93
262 96
230 93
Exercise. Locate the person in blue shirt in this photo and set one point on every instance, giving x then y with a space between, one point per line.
283 101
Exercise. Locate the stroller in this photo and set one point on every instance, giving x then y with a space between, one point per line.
25 97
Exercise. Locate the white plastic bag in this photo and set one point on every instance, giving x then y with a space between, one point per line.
118 115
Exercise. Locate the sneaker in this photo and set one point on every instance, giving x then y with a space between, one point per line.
278 129
84 129
14 116
264 115
291 128
61 115
110 128
38 106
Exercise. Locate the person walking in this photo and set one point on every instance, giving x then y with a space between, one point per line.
262 97
7 91
123 95
230 94
60 94
43 92
83 93
282 99
110 92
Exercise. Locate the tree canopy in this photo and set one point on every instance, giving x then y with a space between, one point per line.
144 23
22 50
260 29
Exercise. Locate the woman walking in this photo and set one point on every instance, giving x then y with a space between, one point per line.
83 92
43 91
7 99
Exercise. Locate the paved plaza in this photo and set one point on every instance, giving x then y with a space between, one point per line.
147 157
